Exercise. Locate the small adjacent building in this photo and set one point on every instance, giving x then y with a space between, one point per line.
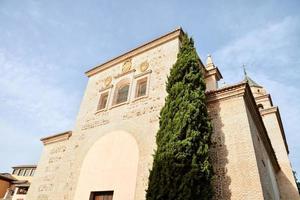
17 184
6 181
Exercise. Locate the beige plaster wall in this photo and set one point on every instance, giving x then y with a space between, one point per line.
66 170
60 167
110 165
52 176
285 178
266 170
211 83
233 155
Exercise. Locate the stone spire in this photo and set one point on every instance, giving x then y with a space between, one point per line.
248 80
212 75
209 62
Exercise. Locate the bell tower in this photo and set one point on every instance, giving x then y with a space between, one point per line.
272 120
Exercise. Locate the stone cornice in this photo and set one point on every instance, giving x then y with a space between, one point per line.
275 110
57 137
268 96
145 47
243 90
226 92
214 71
269 110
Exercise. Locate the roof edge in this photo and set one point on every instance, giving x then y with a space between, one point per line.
24 166
57 137
140 49
243 90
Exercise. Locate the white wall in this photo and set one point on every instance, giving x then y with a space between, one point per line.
110 164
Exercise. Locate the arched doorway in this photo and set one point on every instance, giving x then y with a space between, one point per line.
109 167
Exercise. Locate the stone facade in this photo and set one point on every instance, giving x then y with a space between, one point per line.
111 146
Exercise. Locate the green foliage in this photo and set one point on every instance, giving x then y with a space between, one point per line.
181 168
297 182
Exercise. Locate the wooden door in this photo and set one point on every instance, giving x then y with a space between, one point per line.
103 196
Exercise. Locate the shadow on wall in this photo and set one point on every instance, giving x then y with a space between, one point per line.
218 155
286 188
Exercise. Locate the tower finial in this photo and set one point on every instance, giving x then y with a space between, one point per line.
209 62
244 67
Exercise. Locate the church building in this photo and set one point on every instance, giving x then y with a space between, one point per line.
109 152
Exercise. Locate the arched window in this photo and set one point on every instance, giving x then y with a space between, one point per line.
121 92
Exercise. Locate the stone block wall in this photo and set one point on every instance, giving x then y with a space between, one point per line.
233 155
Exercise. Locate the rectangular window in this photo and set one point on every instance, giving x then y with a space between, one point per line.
141 87
103 101
107 195
22 190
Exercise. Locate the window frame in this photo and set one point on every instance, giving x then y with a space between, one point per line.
139 77
119 85
122 94
143 80
22 190
102 94
93 194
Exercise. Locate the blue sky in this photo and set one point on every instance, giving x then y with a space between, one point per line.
46 46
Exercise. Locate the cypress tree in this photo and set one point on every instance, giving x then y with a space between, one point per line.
181 167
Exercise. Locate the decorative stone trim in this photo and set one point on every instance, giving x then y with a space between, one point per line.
143 73
275 110
139 98
226 92
100 111
177 33
266 96
125 73
269 111
120 104
57 137
106 88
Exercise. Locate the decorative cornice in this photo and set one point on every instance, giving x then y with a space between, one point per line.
125 73
269 110
145 47
57 137
214 71
226 92
143 73
266 96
